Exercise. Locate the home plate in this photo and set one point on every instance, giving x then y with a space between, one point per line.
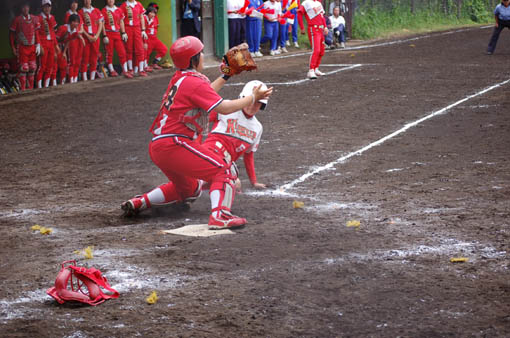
197 230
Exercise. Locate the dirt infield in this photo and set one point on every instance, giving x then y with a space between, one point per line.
399 135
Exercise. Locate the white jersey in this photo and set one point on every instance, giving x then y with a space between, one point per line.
335 22
245 132
276 6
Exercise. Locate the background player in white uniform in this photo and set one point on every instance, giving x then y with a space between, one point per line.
238 134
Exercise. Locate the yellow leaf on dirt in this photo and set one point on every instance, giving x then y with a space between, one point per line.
353 223
298 204
45 231
88 252
459 259
412 45
153 298
36 227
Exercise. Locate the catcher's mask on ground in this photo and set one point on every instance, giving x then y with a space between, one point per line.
183 49
248 90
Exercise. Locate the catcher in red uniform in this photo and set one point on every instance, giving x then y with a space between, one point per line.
177 130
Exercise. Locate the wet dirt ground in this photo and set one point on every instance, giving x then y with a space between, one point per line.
419 155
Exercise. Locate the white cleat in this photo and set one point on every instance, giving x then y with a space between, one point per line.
296 44
284 50
259 54
252 54
287 43
318 72
272 53
311 74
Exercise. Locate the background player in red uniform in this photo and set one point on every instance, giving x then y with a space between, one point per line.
73 9
238 134
92 21
176 148
135 29
313 11
70 36
115 33
49 47
25 45
153 43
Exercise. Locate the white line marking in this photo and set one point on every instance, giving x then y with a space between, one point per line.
387 137
291 83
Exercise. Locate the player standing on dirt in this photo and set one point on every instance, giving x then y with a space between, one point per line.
135 29
502 17
177 130
25 45
313 11
92 21
238 134
114 33
49 46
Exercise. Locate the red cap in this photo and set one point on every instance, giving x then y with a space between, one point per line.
183 49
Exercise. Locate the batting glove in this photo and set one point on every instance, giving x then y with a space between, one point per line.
37 49
124 37
106 40
144 36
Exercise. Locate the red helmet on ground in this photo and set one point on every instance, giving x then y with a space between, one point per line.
183 49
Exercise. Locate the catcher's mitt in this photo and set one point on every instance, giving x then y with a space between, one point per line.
237 59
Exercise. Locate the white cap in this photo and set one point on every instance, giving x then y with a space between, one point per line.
248 89
46 2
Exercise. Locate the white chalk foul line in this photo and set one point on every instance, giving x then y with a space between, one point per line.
386 138
291 83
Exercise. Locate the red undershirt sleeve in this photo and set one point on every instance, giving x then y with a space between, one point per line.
249 163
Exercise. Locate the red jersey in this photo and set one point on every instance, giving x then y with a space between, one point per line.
314 13
151 26
64 34
47 27
112 18
68 14
25 29
90 18
186 103
132 12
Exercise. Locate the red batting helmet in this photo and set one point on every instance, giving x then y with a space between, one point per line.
183 49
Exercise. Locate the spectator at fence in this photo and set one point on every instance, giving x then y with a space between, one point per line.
294 24
283 28
254 27
273 9
191 23
338 28
502 18
236 22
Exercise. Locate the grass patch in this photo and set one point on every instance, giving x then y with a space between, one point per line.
374 22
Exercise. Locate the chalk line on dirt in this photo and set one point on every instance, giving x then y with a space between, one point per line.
330 165
292 83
